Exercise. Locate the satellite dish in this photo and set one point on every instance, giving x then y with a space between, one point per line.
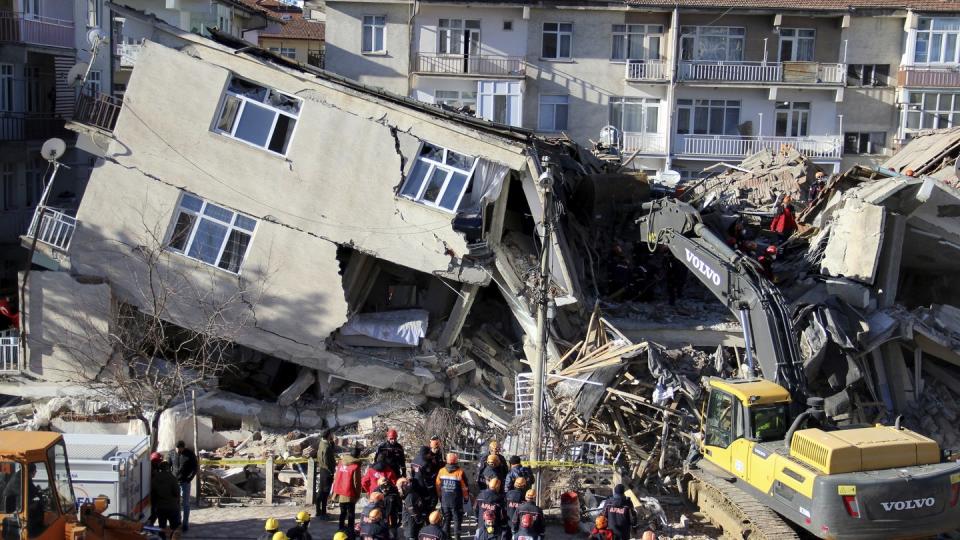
670 177
95 37
53 149
77 73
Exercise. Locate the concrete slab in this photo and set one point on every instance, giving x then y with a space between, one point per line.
856 236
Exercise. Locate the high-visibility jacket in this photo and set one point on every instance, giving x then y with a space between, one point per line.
452 487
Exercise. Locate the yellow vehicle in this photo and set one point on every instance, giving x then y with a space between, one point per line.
36 494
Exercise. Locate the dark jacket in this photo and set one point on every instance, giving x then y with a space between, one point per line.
413 511
392 504
620 516
519 472
499 470
539 526
374 531
425 466
184 464
513 499
490 500
432 532
392 453
299 532
452 487
164 492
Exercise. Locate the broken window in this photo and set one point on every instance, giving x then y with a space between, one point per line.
374 34
557 40
211 234
439 177
460 100
868 75
258 115
864 143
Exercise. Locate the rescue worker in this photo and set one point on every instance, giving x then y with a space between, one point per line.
784 223
326 465
184 464
270 528
649 535
494 464
600 530
453 491
514 498
529 512
379 469
517 470
299 531
155 460
279 536
392 506
346 487
817 186
619 513
491 501
413 511
164 497
374 527
425 467
489 527
340 535
432 531
392 453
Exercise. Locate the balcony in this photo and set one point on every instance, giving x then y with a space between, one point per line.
127 54
736 146
30 127
100 111
763 72
34 30
646 70
53 226
10 352
482 65
644 143
929 77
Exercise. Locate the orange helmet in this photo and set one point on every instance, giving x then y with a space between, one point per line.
494 483
601 522
435 517
520 482
376 496
375 514
382 481
531 494
491 459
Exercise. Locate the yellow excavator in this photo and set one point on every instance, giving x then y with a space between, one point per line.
767 467
36 495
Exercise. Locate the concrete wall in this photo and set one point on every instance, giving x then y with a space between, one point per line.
343 44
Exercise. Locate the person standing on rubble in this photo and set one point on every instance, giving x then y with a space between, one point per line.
391 452
184 463
454 492
619 513
433 530
816 188
514 498
379 469
494 464
783 222
413 510
491 501
326 465
425 468
346 488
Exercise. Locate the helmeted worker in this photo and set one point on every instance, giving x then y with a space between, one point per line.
379 469
619 513
493 464
600 530
453 491
164 496
518 470
392 505
432 531
649 535
413 510
529 511
374 526
279 536
514 498
488 527
340 535
299 531
525 528
155 459
491 501
270 527
391 452
425 466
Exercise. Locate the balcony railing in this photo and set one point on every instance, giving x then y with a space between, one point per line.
30 127
763 72
127 53
99 110
646 143
10 352
646 70
30 29
480 64
930 77
52 226
316 59
829 147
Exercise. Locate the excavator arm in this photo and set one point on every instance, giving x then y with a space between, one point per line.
737 281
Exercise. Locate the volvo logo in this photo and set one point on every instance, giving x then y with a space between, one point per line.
912 504
702 267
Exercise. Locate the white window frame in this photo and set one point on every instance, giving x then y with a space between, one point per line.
552 128
798 115
793 35
95 80
371 22
286 52
199 216
227 93
33 182
944 114
698 33
945 55
710 105
31 9
560 35
433 165
628 32
463 97
645 104
93 13
452 38
6 88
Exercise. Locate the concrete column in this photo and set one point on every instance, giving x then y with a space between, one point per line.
311 482
468 293
268 491
888 273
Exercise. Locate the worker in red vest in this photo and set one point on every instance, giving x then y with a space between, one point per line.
784 223
346 488
9 311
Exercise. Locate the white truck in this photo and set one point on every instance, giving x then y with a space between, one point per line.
117 466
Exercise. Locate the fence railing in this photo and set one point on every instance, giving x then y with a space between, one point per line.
741 146
99 110
28 127
786 72
53 227
316 59
474 64
646 70
646 143
926 76
10 361
128 53
21 28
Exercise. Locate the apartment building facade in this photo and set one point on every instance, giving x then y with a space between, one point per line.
681 86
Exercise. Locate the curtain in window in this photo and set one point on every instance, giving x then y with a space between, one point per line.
805 50
488 181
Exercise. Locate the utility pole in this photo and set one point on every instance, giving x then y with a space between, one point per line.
543 318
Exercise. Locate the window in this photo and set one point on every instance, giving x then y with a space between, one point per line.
500 101
864 142
553 113
456 36
33 92
719 430
93 82
439 177
636 42
557 40
8 187
508 26
769 422
793 119
717 43
258 115
288 52
11 491
796 44
211 234
938 40
374 34
868 75
933 110
6 87
708 116
93 12
462 101
61 477
42 508
35 175
635 115
31 8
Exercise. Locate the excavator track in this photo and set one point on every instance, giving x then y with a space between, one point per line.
736 512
